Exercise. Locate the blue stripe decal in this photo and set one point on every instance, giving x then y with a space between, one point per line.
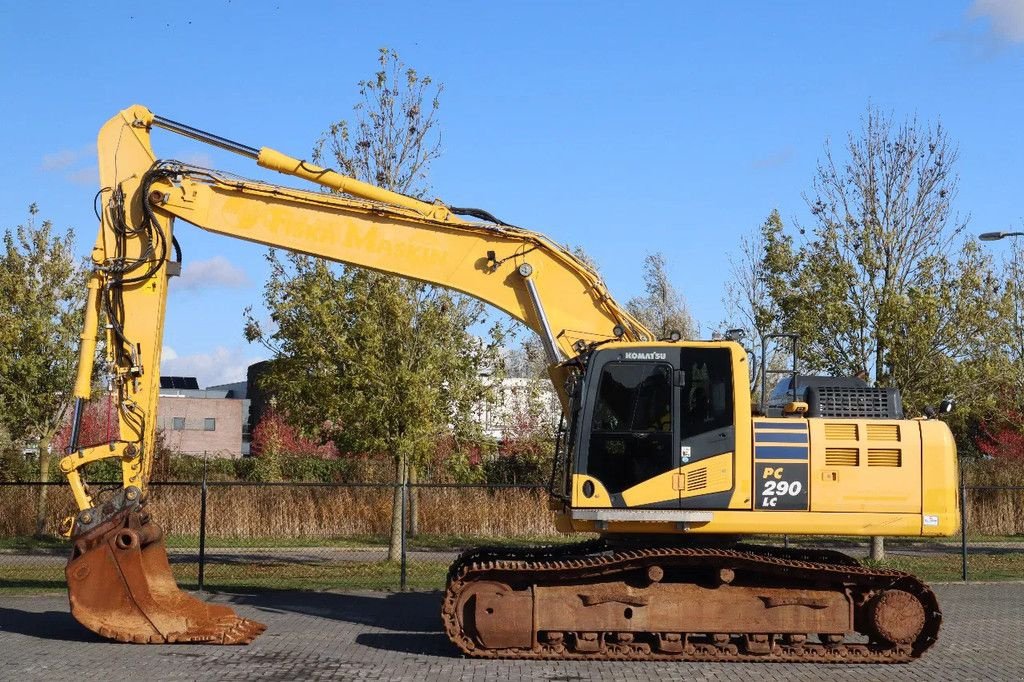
780 452
787 425
762 437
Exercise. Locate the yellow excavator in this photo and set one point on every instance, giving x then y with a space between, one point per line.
661 452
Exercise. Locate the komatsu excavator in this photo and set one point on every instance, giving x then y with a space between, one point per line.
661 453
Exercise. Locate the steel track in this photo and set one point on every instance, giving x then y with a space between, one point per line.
600 561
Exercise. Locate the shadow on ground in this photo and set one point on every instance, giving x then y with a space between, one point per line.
56 625
412 619
395 611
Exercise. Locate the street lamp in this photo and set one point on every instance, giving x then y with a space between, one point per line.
995 236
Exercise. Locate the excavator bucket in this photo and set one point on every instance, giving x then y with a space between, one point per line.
121 587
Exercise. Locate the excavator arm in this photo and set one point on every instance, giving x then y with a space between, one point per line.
520 272
119 581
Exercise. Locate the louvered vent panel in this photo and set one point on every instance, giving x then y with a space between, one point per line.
884 458
842 457
696 480
883 431
841 431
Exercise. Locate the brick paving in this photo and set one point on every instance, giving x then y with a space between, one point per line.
383 636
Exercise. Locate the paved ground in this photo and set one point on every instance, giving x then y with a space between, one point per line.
396 637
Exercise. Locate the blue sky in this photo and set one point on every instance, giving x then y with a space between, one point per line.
626 128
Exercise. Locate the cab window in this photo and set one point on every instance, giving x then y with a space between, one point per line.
707 401
631 433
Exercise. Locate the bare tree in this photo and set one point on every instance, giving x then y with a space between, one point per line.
883 220
396 136
748 301
661 308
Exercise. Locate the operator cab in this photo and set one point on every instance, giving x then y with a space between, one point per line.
647 411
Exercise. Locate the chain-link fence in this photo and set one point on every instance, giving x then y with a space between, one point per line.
312 536
227 536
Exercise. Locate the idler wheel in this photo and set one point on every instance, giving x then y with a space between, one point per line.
897 616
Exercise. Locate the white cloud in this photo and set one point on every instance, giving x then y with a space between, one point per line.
200 159
69 163
168 353
221 366
57 161
775 159
216 272
89 176
1005 17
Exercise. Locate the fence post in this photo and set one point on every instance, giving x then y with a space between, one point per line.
402 571
963 528
202 529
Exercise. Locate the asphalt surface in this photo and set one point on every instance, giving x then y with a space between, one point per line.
389 636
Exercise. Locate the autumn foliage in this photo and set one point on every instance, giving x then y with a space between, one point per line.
525 452
1004 443
274 435
99 424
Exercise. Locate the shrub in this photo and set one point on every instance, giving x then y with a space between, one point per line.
99 424
1006 444
316 470
525 453
14 466
275 435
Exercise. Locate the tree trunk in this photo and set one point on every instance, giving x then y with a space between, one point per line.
877 548
414 503
395 544
44 476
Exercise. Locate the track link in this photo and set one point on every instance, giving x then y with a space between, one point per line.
899 597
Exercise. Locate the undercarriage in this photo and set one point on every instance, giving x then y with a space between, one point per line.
633 600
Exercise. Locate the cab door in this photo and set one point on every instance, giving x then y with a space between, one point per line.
706 428
629 452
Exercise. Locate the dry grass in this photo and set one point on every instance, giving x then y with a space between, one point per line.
18 509
995 512
249 512
340 512
253 512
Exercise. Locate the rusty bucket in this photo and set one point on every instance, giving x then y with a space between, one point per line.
121 587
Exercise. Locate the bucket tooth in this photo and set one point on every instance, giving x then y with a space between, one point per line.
121 587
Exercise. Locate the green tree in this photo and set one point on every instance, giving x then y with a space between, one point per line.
388 362
661 308
13 465
41 284
1013 281
395 137
880 284
1005 393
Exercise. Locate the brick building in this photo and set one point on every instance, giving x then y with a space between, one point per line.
197 422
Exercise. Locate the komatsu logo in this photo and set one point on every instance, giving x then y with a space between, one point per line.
633 355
